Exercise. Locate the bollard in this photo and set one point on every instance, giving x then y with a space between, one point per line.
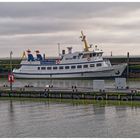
74 89
72 95
106 97
94 97
83 96
119 96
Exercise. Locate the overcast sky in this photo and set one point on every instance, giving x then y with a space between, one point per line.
112 26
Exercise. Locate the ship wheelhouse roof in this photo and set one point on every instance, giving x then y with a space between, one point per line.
81 55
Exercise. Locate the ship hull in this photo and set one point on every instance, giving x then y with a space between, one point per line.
114 71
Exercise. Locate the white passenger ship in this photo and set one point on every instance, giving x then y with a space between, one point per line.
85 64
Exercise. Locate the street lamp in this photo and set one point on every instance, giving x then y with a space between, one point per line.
11 53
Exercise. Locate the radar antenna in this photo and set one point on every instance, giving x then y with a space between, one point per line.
86 47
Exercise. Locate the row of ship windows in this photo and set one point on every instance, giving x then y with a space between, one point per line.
68 67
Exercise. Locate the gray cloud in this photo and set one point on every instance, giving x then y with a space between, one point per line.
42 25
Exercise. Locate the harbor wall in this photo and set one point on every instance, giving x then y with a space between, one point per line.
133 96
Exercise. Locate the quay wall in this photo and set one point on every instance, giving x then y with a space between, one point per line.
131 96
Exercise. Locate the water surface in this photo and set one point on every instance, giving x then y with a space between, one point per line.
50 118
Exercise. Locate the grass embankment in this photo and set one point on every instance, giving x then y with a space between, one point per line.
134 66
77 102
5 64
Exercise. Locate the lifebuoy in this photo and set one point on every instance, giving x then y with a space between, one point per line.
124 99
45 94
100 98
118 72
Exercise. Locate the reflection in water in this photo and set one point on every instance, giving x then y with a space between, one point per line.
122 109
11 111
68 118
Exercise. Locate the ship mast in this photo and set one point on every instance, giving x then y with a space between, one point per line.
86 47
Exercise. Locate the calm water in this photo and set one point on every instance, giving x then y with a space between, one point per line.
60 119
67 119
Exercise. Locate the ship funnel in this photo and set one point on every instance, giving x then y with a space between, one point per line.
63 52
44 56
37 51
30 56
28 51
38 55
69 50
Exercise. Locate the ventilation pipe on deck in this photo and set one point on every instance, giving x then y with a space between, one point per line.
69 50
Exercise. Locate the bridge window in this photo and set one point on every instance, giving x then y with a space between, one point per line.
99 65
86 56
38 68
91 55
80 54
94 54
74 57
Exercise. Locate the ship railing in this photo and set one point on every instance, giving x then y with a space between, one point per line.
29 62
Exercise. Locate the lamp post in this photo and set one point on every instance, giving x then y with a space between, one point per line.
11 70
58 49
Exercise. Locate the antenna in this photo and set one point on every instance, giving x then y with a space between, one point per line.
58 49
86 47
